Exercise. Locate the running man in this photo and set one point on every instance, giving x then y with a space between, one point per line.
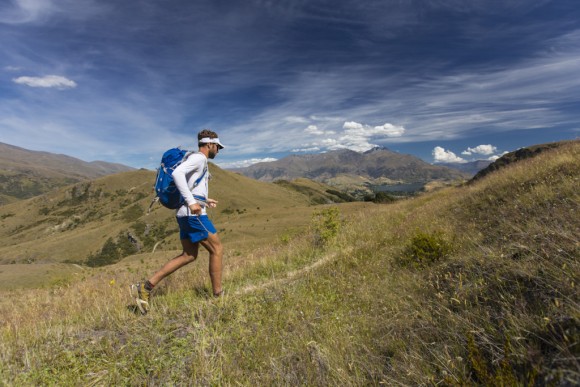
195 228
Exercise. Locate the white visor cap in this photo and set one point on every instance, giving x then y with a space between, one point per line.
207 140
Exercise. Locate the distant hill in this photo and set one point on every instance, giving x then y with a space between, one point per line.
25 173
471 167
348 169
318 193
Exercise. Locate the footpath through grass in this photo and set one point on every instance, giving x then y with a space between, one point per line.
466 285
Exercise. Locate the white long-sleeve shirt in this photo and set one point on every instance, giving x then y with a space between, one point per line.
185 176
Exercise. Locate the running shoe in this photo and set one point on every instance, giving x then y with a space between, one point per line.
141 296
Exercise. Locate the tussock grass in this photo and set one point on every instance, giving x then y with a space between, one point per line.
500 307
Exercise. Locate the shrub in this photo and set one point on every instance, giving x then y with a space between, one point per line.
107 256
325 225
151 233
133 213
425 249
112 251
383 197
44 211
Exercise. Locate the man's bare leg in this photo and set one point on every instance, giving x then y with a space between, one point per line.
214 246
189 254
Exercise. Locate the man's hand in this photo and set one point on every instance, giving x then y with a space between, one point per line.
195 209
211 203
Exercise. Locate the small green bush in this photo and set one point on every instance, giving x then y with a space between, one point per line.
425 249
108 255
133 213
44 211
325 225
383 197
112 251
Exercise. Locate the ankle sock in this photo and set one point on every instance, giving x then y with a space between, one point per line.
149 286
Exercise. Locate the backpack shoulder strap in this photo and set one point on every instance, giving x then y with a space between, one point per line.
202 175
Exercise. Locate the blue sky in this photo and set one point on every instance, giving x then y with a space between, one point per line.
445 80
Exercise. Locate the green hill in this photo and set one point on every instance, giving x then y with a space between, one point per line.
25 173
64 225
318 193
470 285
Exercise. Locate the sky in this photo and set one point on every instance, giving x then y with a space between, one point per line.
444 80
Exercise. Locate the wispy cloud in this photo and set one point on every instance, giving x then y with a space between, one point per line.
245 163
25 11
306 150
48 81
18 12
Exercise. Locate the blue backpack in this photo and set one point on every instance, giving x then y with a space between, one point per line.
165 190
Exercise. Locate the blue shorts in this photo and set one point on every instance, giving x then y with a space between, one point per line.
195 228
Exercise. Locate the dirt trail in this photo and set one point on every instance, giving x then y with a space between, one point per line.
289 276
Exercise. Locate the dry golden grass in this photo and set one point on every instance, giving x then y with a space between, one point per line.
68 224
500 309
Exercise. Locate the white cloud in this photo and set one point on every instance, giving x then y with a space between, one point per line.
481 150
495 157
351 125
55 81
440 155
389 130
313 129
329 142
312 149
367 131
295 120
357 136
245 163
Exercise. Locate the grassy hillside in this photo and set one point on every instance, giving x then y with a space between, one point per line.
25 173
74 223
517 155
317 192
460 286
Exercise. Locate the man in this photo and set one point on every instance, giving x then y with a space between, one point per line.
195 228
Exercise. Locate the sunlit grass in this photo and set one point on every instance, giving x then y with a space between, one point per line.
499 308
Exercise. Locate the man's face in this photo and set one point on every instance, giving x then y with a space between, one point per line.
213 151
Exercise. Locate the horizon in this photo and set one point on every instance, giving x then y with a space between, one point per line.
442 81
260 161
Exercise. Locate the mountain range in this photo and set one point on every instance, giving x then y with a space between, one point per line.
25 173
348 169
